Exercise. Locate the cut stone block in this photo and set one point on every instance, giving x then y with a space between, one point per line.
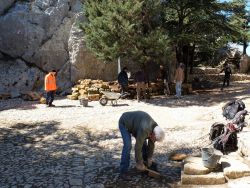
94 97
239 183
72 97
244 143
43 100
191 159
233 168
208 179
178 156
195 169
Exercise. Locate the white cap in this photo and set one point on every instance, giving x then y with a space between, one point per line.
159 134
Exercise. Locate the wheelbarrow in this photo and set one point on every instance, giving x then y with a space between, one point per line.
110 96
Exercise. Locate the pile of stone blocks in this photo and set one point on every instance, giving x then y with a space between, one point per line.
31 96
4 95
230 167
92 89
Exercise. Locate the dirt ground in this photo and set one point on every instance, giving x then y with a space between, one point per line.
90 136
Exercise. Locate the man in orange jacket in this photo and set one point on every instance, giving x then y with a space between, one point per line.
50 87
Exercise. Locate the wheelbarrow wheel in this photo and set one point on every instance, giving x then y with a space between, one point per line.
103 101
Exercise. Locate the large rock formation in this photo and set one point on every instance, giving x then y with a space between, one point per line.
80 58
40 35
244 64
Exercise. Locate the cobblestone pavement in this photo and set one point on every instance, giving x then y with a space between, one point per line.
42 155
49 149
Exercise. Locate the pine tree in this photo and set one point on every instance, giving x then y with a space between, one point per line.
240 19
198 24
130 29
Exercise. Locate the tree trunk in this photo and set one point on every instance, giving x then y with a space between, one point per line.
178 52
245 45
191 58
146 71
185 50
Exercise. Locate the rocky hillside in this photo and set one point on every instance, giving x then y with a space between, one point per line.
39 35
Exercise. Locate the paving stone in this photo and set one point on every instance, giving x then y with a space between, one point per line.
66 185
27 186
212 178
195 169
239 183
234 168
98 185
247 160
192 159
244 142
73 181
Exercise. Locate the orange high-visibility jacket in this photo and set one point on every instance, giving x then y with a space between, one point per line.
50 82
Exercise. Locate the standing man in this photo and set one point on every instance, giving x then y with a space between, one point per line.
179 78
146 131
140 81
123 80
163 76
50 87
228 72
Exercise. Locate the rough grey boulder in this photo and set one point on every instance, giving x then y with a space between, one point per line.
84 64
244 64
54 53
5 5
35 34
16 76
40 35
19 36
64 77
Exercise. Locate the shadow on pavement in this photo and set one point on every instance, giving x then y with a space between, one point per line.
43 155
205 98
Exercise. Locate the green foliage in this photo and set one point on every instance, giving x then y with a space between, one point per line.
144 30
124 28
240 20
204 23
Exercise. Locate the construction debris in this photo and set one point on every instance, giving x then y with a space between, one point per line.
42 100
92 89
31 96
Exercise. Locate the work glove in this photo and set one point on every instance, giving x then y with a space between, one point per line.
140 166
149 162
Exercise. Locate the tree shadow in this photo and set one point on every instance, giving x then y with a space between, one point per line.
118 105
67 106
17 104
205 98
42 154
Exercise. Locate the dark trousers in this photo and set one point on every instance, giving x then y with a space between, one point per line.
50 97
127 145
145 151
124 88
226 80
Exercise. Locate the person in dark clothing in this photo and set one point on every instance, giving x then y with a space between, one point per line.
228 72
123 80
146 131
140 81
163 76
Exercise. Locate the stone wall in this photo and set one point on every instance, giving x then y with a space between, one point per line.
40 35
